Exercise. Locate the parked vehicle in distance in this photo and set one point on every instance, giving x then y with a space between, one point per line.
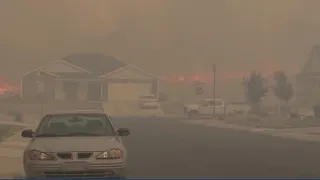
148 101
205 108
75 144
237 107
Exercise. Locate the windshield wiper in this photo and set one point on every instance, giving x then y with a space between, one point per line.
47 135
83 134
68 135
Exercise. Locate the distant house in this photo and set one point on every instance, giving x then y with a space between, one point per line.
308 80
87 77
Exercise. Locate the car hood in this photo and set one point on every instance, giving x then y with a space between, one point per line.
57 144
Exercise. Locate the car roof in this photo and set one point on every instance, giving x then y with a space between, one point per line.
66 112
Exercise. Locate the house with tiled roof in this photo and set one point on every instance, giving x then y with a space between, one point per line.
87 77
308 80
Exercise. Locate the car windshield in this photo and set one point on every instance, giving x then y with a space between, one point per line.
75 125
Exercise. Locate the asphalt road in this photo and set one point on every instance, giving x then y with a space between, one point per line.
171 149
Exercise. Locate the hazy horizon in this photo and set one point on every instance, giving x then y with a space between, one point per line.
161 36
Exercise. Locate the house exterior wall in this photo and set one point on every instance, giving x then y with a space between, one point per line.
129 90
83 87
59 93
30 86
55 89
128 75
83 90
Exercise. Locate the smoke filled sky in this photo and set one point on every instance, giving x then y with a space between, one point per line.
161 36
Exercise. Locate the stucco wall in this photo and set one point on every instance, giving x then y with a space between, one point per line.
30 87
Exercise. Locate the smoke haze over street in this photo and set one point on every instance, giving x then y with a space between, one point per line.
163 37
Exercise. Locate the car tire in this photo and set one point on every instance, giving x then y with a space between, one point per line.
193 114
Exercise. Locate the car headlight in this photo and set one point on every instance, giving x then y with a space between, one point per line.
38 155
110 154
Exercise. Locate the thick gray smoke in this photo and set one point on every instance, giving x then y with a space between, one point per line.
162 36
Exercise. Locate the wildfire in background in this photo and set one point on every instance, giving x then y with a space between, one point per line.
208 77
205 78
9 87
6 86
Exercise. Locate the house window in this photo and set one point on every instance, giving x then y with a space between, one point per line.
71 89
94 91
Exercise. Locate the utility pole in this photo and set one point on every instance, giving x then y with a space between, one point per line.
214 90
40 95
41 105
245 88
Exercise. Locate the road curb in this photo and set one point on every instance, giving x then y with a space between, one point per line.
265 131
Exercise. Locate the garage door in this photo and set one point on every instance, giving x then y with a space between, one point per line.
127 91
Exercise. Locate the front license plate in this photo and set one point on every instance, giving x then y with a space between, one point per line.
74 165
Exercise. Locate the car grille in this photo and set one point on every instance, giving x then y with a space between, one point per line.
76 174
84 155
64 155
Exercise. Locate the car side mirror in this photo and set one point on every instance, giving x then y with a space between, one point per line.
28 133
123 132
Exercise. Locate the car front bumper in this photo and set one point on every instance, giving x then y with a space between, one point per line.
41 170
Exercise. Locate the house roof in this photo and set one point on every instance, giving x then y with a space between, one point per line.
93 66
97 64
75 75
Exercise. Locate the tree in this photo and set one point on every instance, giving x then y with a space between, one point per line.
254 90
283 89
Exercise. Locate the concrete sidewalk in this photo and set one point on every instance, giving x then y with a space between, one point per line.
306 134
11 151
11 168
